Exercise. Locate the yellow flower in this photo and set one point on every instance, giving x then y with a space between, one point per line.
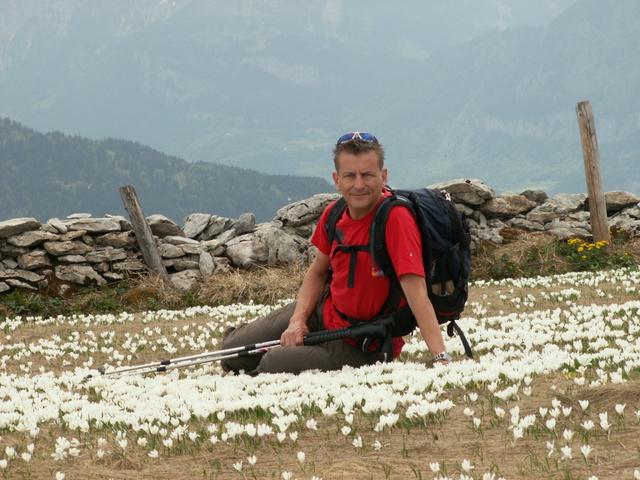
580 249
583 257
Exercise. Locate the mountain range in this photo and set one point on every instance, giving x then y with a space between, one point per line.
54 175
472 88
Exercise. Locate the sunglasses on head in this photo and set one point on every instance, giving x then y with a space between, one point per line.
351 136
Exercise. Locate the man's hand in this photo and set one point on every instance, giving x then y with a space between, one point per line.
294 334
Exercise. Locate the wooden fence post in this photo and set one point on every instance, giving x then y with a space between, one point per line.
597 204
143 233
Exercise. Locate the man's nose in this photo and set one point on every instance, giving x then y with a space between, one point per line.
359 183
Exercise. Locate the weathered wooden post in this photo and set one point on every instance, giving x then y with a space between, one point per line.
143 233
597 204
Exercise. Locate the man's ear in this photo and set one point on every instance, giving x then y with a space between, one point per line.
384 175
334 175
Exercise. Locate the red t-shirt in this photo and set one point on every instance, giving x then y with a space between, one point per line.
370 288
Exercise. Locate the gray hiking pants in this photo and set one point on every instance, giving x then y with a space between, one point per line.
326 356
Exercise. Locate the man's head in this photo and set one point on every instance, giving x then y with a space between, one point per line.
360 175
357 143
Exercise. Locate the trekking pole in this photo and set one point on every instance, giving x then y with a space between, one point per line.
152 366
312 338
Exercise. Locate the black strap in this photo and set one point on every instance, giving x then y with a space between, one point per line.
352 250
453 326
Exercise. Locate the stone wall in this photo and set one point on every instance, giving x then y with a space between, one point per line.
82 250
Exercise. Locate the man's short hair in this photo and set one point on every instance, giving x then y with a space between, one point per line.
357 147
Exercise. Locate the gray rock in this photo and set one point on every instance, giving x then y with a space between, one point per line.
468 191
76 216
185 280
25 275
305 211
106 254
496 223
180 264
523 223
15 283
72 235
163 226
464 209
88 239
57 224
479 218
507 206
101 267
177 240
72 259
4 287
267 245
489 235
94 225
556 206
633 212
15 226
216 226
214 247
223 264
129 265
116 240
191 249
537 196
206 264
565 233
580 216
557 223
34 259
618 200
66 248
225 237
125 224
9 263
626 222
7 250
245 223
195 224
167 250
79 274
112 276
31 238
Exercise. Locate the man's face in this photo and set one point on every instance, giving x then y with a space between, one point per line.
360 180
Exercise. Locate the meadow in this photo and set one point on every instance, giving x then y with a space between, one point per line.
553 392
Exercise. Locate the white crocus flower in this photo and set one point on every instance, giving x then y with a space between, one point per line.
566 452
585 450
466 465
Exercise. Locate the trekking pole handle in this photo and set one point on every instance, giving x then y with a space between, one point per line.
314 338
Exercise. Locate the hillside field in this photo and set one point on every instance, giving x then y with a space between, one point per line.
554 392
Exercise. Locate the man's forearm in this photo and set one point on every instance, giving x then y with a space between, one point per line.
415 291
308 296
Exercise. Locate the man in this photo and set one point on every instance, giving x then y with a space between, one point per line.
357 290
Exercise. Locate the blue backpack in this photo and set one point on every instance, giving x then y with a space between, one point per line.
445 254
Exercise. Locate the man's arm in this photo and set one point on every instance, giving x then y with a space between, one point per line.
308 296
415 291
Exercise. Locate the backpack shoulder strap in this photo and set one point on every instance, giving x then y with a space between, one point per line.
337 209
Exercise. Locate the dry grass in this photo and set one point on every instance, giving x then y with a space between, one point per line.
260 285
